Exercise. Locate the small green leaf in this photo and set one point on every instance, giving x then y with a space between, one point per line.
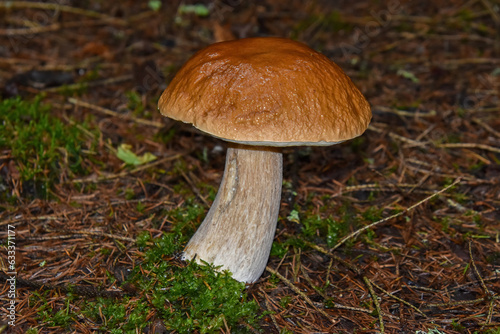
198 9
125 154
294 216
154 5
408 75
495 72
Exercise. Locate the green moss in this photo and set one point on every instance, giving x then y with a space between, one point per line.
135 103
143 239
445 223
129 194
105 251
125 316
373 214
187 218
493 331
41 144
186 298
52 314
329 228
335 231
280 248
457 326
76 89
208 190
465 15
285 301
140 207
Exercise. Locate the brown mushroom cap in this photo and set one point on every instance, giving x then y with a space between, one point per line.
266 91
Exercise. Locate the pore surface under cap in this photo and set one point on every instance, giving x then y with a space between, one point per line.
266 91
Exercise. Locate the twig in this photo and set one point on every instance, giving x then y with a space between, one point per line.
398 137
36 29
97 234
470 145
300 293
405 113
454 37
484 109
399 300
417 143
19 219
95 83
462 302
47 237
268 306
83 290
352 235
58 7
195 188
320 249
355 309
90 134
311 283
493 324
379 187
125 173
492 12
486 127
29 31
110 112
375 301
485 288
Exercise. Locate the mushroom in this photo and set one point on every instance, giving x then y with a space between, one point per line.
258 94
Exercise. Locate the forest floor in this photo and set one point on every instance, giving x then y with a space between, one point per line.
396 231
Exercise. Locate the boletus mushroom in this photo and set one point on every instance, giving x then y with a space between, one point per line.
258 94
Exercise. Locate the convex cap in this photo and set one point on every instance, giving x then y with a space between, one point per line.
266 91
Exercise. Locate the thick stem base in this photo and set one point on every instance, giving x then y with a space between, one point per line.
239 228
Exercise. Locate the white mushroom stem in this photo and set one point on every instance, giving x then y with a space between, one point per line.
238 231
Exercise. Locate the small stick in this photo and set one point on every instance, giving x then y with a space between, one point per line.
29 31
110 112
125 173
405 113
300 293
195 188
58 7
355 309
398 137
320 249
485 288
311 283
462 302
90 134
486 127
399 299
352 235
268 306
470 145
492 12
377 304
95 83
83 290
97 234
